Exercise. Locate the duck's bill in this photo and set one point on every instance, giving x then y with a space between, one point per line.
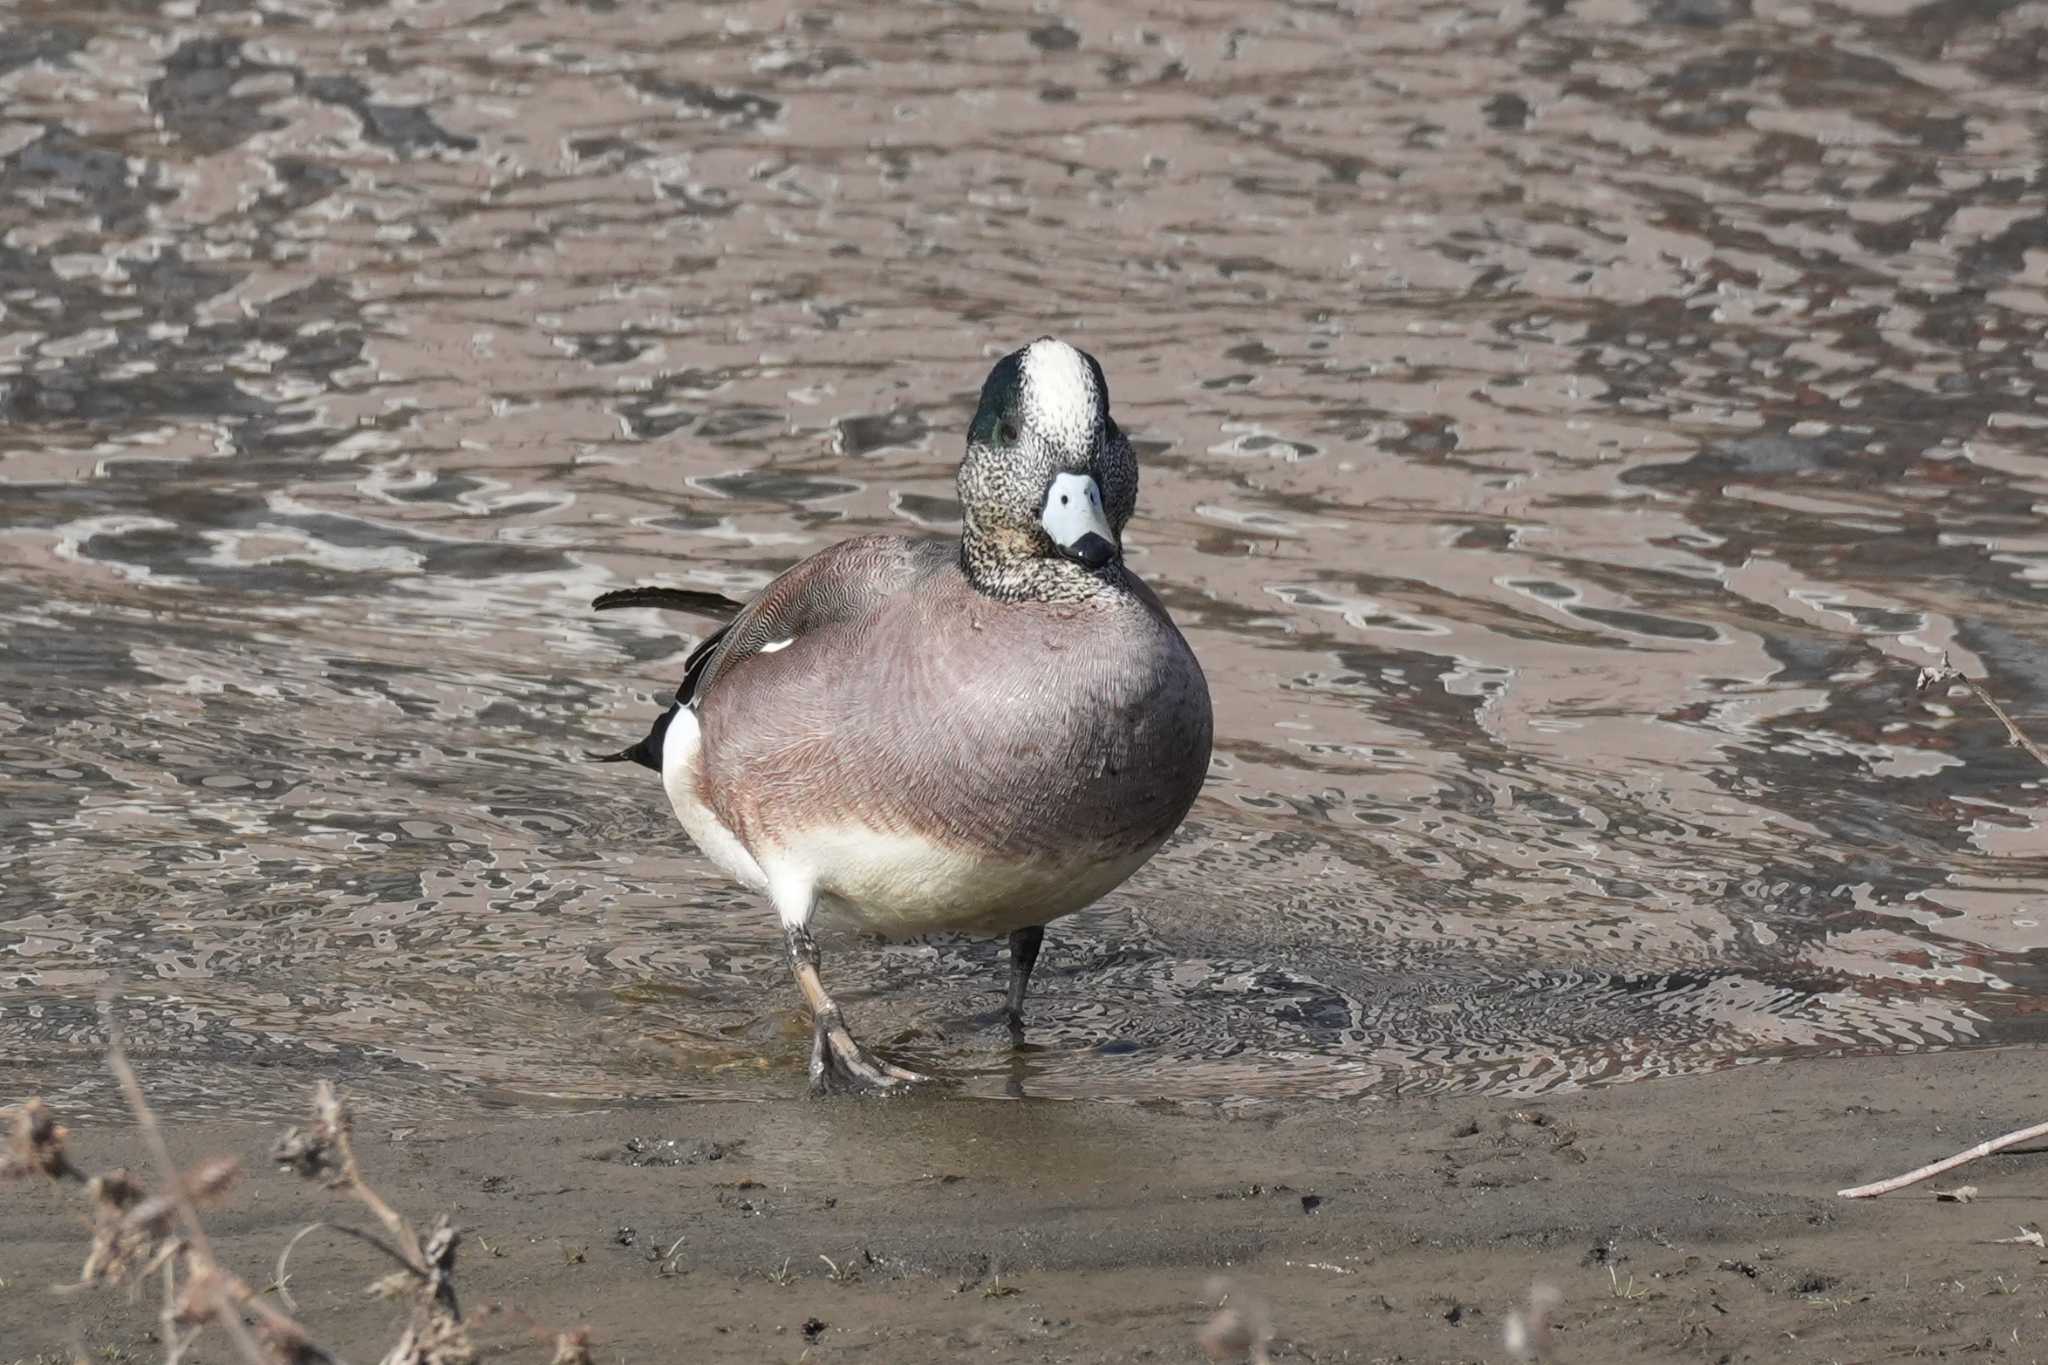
1074 518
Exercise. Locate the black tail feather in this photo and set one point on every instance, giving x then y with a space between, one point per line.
717 606
647 753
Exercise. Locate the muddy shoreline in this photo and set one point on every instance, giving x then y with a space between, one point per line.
1684 1219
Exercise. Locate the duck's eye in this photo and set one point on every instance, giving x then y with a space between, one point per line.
1006 432
1063 499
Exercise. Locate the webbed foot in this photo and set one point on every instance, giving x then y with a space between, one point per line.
839 1065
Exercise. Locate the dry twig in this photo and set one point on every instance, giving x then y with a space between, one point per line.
1942 673
136 1232
1945 672
1914 1177
436 1335
212 1294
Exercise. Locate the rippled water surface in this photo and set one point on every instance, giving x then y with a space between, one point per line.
1567 428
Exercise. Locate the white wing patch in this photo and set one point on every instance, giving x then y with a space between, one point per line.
774 645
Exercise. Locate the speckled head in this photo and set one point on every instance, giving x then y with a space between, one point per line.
1049 481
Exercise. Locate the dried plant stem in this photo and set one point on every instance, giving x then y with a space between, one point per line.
1945 672
1941 674
436 1335
328 1104
176 1343
210 1291
279 1278
139 1233
1899 1182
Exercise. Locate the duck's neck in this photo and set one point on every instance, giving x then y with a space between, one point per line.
1009 573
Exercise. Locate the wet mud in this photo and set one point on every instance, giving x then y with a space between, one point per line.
1690 1219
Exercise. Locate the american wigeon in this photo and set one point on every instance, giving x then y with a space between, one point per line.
908 736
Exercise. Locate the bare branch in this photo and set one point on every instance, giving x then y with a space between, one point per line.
325 1146
279 1278
142 1232
1940 675
1944 672
211 1293
1914 1177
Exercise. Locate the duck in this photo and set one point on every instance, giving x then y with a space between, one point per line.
904 735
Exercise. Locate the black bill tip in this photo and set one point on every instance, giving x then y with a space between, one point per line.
1091 551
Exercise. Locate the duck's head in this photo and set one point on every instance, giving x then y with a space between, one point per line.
1048 476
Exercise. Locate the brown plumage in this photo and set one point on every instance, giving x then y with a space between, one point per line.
1009 730
915 735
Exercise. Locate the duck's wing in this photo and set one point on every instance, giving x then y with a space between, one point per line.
834 586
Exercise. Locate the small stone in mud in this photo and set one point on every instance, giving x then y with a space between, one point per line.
1311 1202
814 1328
625 1237
1696 13
496 1184
1506 111
747 1208
670 1152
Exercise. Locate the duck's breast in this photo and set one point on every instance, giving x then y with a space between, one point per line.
952 746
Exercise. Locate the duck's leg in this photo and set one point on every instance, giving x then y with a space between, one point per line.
837 1062
1024 946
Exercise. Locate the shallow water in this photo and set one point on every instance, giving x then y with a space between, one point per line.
1567 429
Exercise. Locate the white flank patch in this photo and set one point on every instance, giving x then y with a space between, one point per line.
679 778
895 885
773 645
1059 393
900 886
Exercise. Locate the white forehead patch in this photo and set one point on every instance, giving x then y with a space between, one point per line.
1060 399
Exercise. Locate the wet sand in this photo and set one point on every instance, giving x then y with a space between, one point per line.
1684 1219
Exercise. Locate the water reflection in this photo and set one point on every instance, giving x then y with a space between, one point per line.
1566 431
